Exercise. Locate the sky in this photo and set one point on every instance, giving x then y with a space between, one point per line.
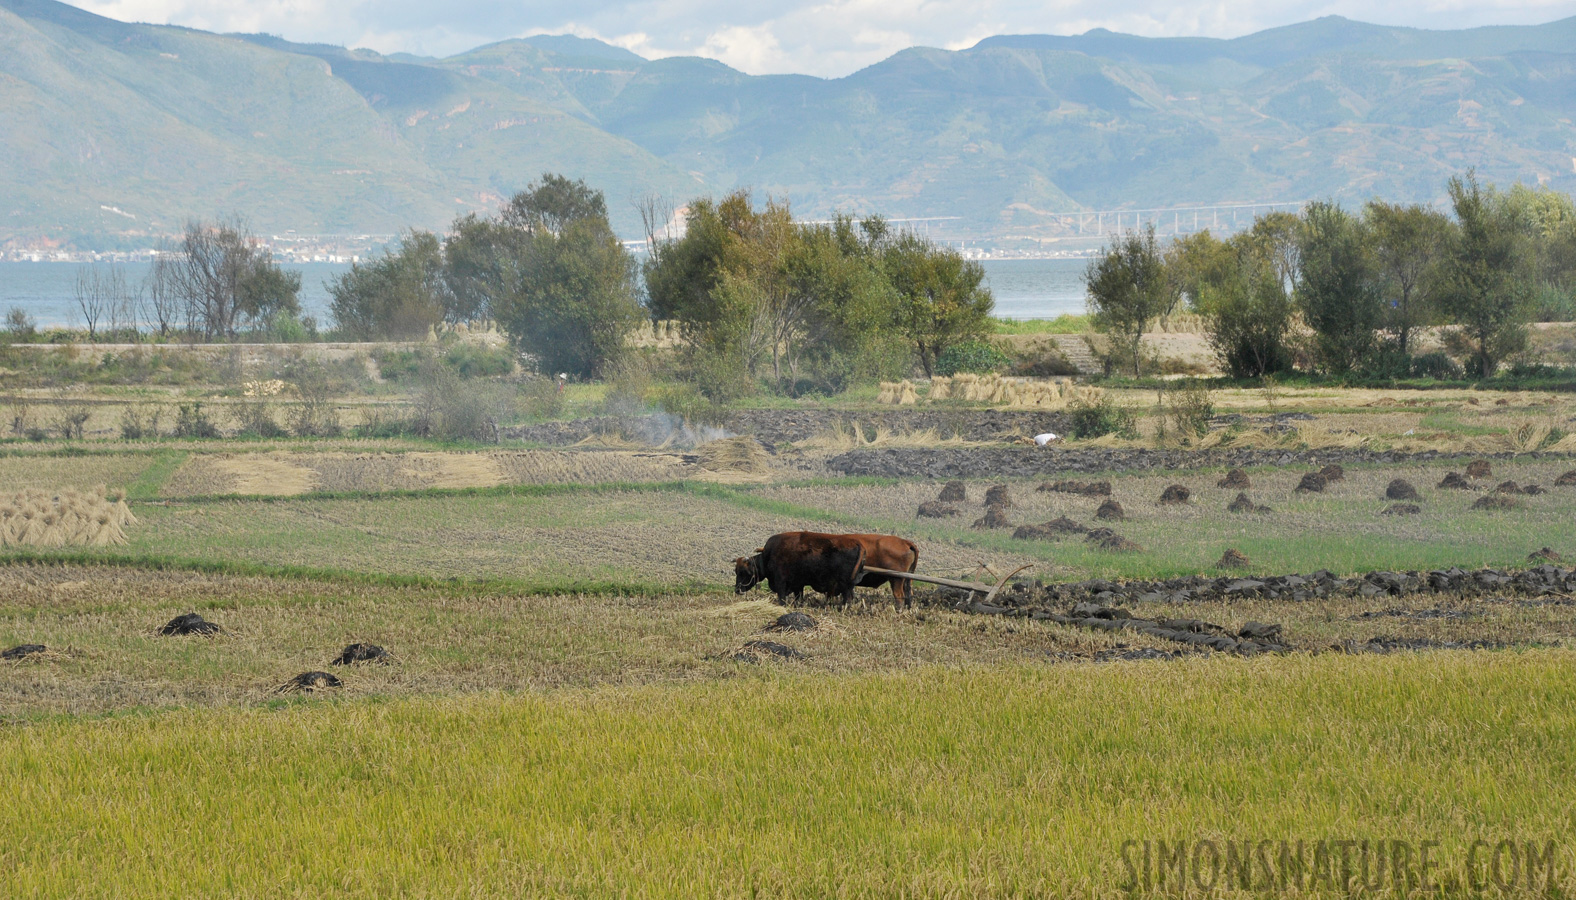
825 38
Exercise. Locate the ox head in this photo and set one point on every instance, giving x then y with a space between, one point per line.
747 573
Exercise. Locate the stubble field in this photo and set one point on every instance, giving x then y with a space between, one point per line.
572 703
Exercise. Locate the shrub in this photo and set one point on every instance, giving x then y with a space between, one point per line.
628 384
1190 407
540 398
1436 365
1096 418
980 357
137 423
476 361
192 422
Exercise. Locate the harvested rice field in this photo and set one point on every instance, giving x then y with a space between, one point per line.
548 642
292 474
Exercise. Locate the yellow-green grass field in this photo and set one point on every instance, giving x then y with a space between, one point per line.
962 782
685 533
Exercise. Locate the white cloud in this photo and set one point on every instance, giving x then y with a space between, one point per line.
820 37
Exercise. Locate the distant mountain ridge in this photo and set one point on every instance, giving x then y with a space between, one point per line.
112 131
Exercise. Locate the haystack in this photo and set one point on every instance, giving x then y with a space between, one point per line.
1244 504
1545 555
739 455
69 517
935 509
1498 502
1479 468
953 492
1454 481
996 495
1401 509
1333 472
1566 480
1175 494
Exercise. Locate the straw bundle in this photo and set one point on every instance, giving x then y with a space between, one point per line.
739 455
898 393
64 518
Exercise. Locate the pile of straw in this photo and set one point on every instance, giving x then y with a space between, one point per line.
739 455
898 393
998 391
38 518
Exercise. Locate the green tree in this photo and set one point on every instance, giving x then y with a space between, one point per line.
397 296
1337 287
1408 243
1485 276
1129 286
568 296
941 297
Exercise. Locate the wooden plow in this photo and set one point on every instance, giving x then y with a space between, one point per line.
973 586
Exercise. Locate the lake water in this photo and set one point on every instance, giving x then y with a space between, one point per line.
1024 288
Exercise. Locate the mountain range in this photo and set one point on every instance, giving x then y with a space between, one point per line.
112 132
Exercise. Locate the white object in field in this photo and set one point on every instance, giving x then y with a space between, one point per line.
1040 440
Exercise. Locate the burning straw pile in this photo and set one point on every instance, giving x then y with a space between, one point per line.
36 518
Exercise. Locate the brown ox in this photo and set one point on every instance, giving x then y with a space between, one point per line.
889 552
795 560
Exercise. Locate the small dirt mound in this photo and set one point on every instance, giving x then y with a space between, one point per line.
1479 468
1106 539
996 495
1110 511
1066 526
1511 487
1455 482
935 509
793 621
740 455
1545 555
1244 504
953 492
755 651
310 682
1086 488
1401 489
1236 478
1566 480
359 653
1333 472
1042 532
995 517
1497 501
1233 559
1312 483
1402 509
189 623
22 651
1175 494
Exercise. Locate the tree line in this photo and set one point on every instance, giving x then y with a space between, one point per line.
763 300
1358 285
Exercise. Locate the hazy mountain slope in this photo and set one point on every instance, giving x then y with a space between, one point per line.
166 123
1023 125
162 123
